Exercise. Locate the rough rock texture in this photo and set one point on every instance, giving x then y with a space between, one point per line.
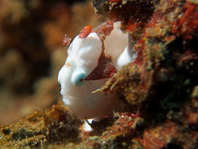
53 126
160 88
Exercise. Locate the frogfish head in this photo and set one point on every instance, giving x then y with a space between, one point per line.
85 56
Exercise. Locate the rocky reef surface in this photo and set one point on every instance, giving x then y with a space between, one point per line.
160 87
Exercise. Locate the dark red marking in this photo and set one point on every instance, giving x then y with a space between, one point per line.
104 29
104 69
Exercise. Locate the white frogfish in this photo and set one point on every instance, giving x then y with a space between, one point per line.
93 57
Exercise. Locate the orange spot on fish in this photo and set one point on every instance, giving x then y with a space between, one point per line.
67 64
85 31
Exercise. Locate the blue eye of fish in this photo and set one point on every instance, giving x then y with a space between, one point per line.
78 78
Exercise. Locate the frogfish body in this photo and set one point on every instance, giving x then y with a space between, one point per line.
92 59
